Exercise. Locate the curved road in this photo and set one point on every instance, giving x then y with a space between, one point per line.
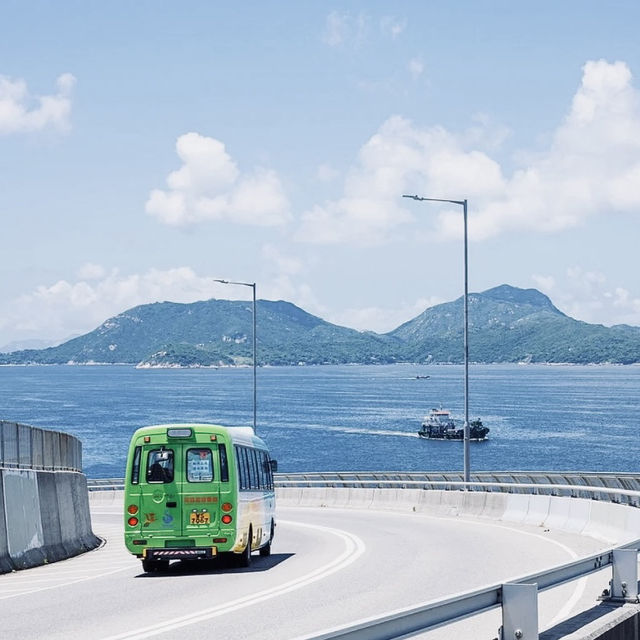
329 567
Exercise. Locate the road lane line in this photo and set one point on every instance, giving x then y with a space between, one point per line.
354 548
66 583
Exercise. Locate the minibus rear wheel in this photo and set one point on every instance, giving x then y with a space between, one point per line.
245 557
151 566
266 550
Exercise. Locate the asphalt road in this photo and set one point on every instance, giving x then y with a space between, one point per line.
328 567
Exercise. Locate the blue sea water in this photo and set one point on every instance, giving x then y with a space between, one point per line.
336 418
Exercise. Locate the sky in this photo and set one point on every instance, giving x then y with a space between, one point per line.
148 148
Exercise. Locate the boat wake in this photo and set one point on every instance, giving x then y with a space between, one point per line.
355 430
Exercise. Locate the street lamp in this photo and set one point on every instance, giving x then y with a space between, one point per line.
466 329
253 287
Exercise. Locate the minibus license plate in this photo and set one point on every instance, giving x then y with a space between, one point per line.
199 518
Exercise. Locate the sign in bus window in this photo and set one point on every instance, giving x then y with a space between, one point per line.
160 465
199 465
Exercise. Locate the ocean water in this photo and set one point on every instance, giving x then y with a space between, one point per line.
338 418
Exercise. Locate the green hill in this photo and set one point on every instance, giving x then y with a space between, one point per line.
506 324
215 332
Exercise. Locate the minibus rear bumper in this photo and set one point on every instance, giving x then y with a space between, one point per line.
191 553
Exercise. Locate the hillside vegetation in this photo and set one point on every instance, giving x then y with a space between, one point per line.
506 324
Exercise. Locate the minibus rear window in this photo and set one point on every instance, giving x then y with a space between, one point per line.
199 465
135 467
160 465
224 463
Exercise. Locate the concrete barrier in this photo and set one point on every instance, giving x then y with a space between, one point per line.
605 521
516 508
22 517
558 513
66 512
578 516
538 510
52 547
82 513
44 517
5 562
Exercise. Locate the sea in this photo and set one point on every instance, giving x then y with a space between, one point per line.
350 417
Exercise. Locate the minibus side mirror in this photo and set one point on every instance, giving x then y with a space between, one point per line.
274 465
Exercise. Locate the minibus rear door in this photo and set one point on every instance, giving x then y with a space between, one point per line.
161 507
201 493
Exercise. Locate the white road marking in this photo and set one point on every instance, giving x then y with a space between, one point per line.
103 561
354 548
64 583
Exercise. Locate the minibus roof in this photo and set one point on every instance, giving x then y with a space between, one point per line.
239 435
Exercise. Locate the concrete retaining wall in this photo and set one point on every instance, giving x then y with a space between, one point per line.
44 517
612 523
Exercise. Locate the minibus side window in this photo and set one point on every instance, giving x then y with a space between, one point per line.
160 465
245 467
224 463
269 472
252 482
255 477
135 467
264 474
242 482
199 465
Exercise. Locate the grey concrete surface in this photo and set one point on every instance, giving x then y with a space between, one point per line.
330 566
45 517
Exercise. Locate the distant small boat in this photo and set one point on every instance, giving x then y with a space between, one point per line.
422 377
439 425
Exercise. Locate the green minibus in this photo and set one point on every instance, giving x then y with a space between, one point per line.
196 491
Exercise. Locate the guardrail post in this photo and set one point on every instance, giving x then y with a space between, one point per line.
519 612
624 585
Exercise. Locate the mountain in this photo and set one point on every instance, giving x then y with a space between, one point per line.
506 324
215 332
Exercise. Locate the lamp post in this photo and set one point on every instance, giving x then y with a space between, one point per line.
466 329
253 288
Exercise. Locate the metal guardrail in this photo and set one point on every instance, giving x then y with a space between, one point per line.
517 611
615 487
518 621
514 480
26 447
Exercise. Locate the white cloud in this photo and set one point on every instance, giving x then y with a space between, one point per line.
65 308
588 296
326 173
90 271
399 157
352 30
288 265
544 283
345 29
380 319
209 186
416 68
392 26
20 112
591 167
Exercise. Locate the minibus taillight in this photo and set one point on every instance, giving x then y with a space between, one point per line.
226 518
132 509
226 507
132 521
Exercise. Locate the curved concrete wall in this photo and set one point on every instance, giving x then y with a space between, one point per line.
613 523
44 517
